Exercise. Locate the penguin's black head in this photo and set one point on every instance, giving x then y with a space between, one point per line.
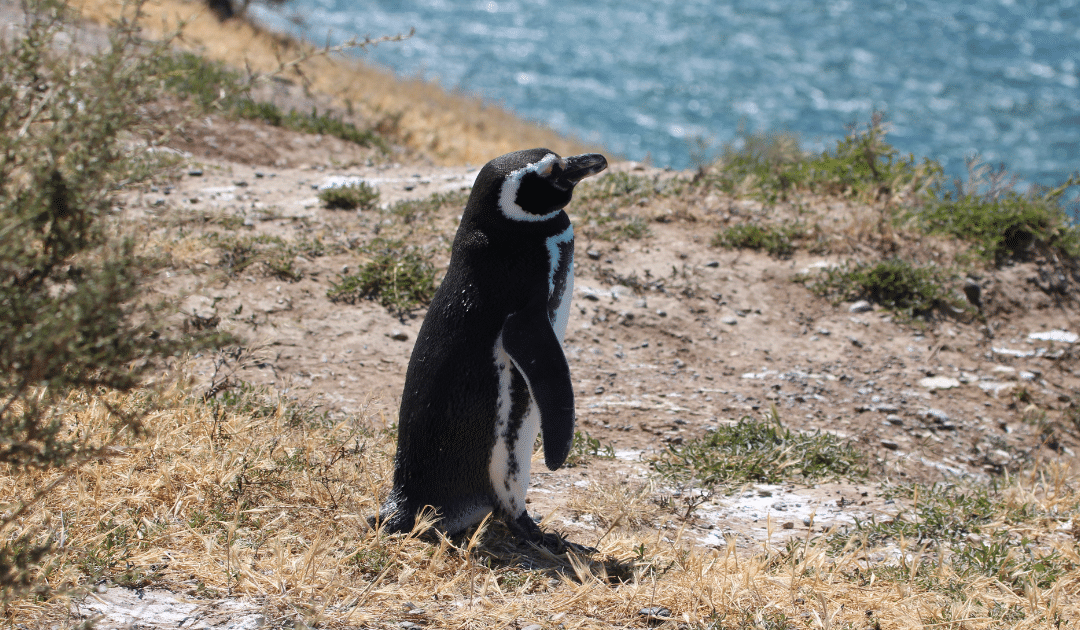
535 184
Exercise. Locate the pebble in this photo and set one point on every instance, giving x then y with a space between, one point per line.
939 382
658 613
894 419
713 264
593 254
399 335
730 320
889 444
661 312
195 172
861 306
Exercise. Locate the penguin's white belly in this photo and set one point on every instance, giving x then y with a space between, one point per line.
512 455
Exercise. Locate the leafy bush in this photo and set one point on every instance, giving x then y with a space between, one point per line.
895 284
350 197
70 316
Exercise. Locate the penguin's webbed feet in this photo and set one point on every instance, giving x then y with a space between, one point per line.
525 529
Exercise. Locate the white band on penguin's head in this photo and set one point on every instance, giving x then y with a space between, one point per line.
508 204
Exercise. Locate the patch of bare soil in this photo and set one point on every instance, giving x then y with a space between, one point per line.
668 338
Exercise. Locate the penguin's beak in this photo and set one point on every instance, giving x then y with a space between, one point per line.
578 167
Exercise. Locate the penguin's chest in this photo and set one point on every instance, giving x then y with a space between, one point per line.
518 418
560 254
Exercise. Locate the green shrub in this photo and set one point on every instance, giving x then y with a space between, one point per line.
351 197
895 284
761 451
72 313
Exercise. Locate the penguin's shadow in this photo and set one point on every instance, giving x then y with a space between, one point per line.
500 549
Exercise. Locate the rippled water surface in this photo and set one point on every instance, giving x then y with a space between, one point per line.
954 78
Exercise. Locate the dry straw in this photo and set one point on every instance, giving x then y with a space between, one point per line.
252 496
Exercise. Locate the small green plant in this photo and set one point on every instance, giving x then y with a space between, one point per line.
760 451
778 241
400 278
361 196
895 284
585 447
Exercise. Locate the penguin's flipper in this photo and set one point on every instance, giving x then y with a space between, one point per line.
530 341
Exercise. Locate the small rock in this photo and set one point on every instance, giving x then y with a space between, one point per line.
534 626
861 306
593 254
599 389
939 382
730 320
889 444
712 263
655 613
788 525
661 312
937 415
399 335
973 292
259 174
1026 375
894 419
1062 336
807 521
195 172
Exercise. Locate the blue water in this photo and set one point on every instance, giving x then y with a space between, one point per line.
659 79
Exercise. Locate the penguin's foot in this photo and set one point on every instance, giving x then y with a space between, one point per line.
526 530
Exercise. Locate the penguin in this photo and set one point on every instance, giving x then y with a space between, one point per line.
488 372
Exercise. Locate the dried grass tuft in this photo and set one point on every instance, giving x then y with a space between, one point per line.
251 495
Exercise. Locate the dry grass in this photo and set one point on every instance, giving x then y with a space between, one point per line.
254 496
451 128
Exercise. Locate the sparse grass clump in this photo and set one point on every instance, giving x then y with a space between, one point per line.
411 210
896 284
212 86
1007 225
360 196
399 278
974 532
585 447
761 451
237 253
862 166
778 241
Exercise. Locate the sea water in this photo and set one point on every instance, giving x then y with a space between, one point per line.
672 80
